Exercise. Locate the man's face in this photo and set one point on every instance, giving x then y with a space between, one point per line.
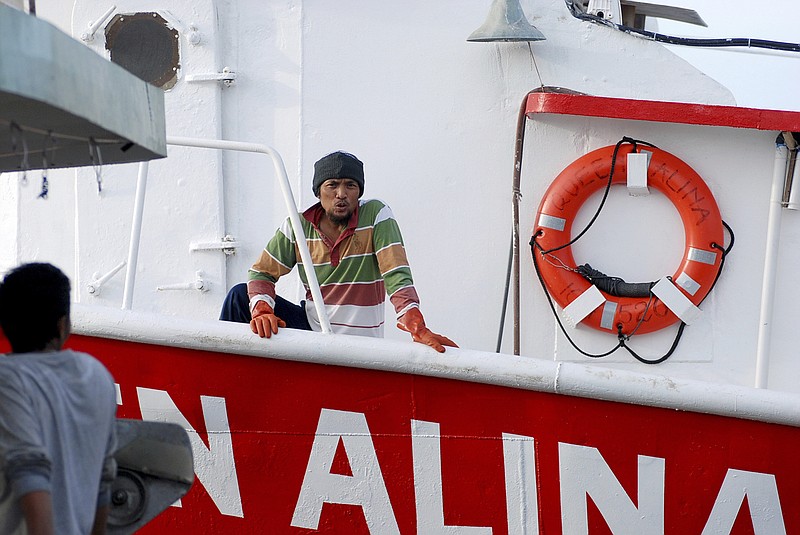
339 198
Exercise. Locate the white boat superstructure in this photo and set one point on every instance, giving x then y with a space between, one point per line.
462 139
437 139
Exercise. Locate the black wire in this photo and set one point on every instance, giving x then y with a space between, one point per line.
535 245
620 336
724 254
505 298
622 339
661 359
626 139
641 320
682 326
686 41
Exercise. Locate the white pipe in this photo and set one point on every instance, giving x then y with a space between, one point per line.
136 234
770 267
288 199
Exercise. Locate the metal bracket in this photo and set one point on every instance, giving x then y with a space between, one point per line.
99 280
788 201
199 284
227 77
189 31
227 245
93 26
605 9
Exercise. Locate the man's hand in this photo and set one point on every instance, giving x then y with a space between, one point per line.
413 322
265 323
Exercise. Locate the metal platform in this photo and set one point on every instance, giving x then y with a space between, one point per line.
63 105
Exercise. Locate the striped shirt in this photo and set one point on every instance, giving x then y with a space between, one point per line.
355 273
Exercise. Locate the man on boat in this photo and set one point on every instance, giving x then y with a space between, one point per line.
57 414
358 257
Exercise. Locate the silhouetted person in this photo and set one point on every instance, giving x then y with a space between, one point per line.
57 414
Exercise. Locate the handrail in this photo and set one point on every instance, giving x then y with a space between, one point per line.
291 206
136 234
590 381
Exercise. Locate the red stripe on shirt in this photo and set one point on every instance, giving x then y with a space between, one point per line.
365 295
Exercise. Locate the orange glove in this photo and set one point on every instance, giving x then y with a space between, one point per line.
413 322
265 323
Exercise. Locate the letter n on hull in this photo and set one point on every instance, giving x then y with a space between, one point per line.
214 466
584 473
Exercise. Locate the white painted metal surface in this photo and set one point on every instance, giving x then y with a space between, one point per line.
93 26
288 199
184 201
433 120
9 197
99 280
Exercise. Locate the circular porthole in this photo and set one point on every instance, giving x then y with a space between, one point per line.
145 45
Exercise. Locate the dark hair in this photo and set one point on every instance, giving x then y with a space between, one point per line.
33 297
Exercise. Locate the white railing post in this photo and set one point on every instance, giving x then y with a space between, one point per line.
288 198
136 234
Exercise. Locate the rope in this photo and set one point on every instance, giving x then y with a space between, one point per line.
616 283
97 163
626 139
49 143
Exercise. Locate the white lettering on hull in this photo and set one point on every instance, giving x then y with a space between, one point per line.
427 456
522 502
761 491
214 466
584 473
365 487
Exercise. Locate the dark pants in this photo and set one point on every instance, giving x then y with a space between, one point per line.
236 307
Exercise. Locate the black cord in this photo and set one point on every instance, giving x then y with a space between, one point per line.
626 139
622 338
686 41
661 359
534 245
724 254
682 326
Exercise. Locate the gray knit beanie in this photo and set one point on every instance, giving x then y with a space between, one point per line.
338 165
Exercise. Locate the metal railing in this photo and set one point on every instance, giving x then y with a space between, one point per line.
291 207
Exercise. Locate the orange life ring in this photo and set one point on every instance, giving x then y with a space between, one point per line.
680 184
